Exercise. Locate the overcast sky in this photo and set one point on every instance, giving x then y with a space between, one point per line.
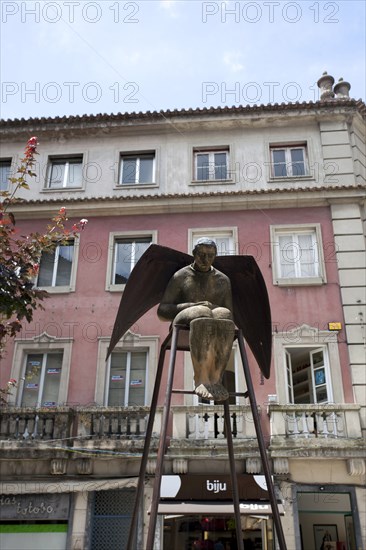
83 57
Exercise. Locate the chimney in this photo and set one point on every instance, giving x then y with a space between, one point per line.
325 84
342 88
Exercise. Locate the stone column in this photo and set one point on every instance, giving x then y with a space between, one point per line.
79 522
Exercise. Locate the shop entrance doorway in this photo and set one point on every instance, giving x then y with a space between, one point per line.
326 521
204 532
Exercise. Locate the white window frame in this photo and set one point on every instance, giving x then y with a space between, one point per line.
66 160
45 355
129 343
128 377
61 289
137 156
310 373
113 237
313 339
43 343
211 151
6 161
288 161
293 231
214 233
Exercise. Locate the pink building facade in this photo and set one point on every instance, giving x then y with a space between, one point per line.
285 184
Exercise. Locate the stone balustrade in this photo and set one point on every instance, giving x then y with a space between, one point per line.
315 421
27 423
207 422
202 422
114 422
21 424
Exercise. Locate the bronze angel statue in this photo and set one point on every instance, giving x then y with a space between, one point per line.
210 294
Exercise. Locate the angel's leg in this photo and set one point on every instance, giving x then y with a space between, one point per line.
211 342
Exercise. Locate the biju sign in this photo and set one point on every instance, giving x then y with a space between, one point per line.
213 487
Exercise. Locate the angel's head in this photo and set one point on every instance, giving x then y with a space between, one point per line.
204 254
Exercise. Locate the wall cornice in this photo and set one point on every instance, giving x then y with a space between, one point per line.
189 203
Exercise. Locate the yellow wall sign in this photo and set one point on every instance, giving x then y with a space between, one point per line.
334 326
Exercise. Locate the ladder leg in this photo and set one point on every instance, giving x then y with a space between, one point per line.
261 445
145 455
234 484
162 443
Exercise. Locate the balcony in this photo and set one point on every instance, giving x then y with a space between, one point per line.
205 422
202 423
46 424
316 430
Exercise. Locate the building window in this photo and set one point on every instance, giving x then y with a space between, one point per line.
308 375
127 252
42 378
126 385
225 238
125 381
137 169
307 366
289 161
65 172
57 268
124 252
297 255
42 366
5 168
211 165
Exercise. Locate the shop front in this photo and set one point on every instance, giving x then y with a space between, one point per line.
199 514
328 518
34 521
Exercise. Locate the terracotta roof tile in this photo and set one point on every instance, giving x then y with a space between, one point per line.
148 115
163 196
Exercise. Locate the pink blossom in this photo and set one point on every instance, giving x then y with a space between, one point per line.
62 210
30 149
32 142
83 223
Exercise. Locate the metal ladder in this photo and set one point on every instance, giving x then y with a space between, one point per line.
177 340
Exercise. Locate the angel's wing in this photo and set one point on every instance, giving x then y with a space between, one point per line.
145 286
251 305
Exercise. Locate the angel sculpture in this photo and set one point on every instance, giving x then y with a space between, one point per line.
208 298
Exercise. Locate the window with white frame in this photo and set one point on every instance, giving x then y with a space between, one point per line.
5 169
41 365
137 169
307 365
65 172
297 255
226 239
127 380
289 161
57 268
42 378
308 375
124 252
211 165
